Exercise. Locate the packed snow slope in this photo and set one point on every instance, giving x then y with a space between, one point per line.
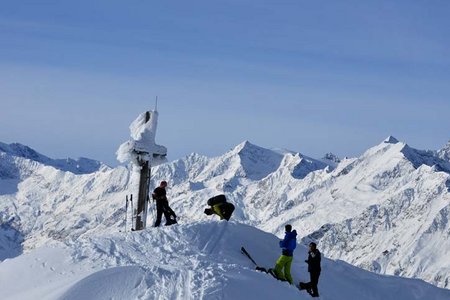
386 211
200 260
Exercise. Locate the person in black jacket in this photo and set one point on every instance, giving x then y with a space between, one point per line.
162 205
314 269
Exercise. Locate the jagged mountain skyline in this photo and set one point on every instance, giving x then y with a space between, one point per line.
22 150
269 189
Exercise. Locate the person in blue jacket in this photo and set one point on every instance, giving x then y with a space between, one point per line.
287 245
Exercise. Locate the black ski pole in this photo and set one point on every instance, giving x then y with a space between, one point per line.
126 212
248 255
132 212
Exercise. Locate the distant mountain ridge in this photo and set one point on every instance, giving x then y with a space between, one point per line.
79 166
375 211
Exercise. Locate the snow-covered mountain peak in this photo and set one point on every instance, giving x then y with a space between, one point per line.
259 162
245 144
384 155
247 148
391 140
392 148
256 162
387 161
391 152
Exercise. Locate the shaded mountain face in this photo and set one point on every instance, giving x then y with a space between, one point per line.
376 211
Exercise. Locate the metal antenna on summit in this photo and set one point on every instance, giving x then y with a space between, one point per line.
156 104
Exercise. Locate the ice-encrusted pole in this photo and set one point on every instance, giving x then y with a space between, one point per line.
143 152
144 185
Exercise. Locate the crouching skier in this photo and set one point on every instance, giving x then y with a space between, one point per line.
220 206
287 245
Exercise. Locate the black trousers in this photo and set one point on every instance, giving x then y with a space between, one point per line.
162 207
312 285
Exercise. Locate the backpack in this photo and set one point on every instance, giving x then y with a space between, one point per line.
217 200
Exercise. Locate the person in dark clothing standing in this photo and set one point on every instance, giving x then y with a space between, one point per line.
314 269
162 205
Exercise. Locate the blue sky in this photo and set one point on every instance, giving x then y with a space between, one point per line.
309 76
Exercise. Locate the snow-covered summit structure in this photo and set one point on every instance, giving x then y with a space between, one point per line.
141 146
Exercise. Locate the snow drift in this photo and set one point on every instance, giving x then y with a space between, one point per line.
201 260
